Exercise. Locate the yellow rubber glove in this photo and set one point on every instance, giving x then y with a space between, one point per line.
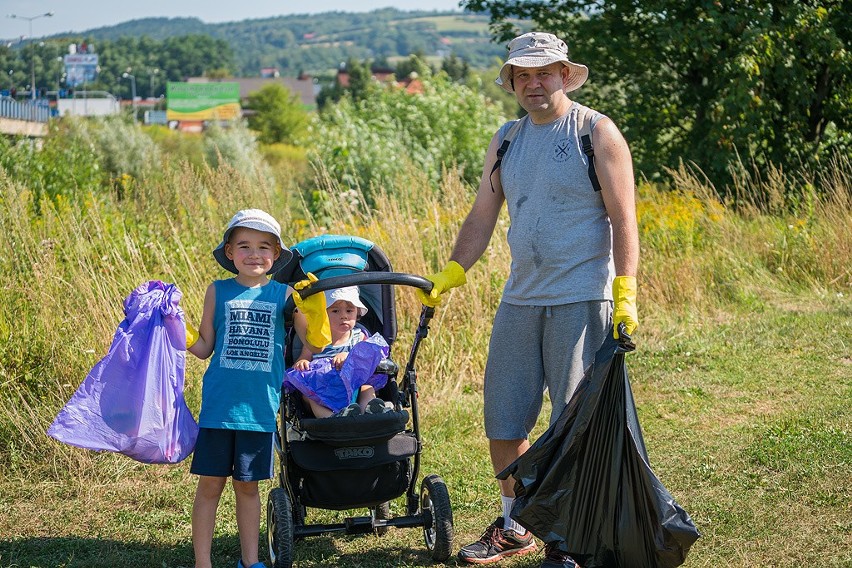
191 334
624 300
318 333
452 276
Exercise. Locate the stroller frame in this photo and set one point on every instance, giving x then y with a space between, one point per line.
430 508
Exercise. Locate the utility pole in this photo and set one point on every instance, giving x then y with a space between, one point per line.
32 47
127 75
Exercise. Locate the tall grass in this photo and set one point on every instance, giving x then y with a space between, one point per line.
68 264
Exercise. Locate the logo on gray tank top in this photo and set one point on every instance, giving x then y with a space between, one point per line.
562 150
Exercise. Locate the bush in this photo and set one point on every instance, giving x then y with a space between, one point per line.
366 144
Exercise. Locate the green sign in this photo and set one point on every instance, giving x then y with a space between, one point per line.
202 101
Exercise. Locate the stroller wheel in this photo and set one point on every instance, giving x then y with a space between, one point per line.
435 506
279 528
382 513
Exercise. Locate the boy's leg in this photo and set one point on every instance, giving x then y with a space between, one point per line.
248 519
212 462
253 461
204 507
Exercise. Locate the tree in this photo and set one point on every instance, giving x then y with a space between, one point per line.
715 83
278 115
456 67
416 63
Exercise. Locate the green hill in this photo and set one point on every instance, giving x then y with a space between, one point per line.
319 43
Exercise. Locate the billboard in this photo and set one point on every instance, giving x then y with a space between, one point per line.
202 101
80 68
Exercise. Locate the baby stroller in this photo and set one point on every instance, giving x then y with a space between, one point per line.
360 461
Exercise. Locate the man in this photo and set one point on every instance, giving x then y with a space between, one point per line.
575 251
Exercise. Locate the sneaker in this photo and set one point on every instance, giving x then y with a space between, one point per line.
554 557
497 543
351 410
376 406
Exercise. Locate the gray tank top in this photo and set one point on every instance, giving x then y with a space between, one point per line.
560 235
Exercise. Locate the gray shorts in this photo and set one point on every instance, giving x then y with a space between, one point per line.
533 347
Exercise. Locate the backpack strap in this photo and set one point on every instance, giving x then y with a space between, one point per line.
504 147
584 130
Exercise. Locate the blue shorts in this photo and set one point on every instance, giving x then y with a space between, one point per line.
538 347
242 454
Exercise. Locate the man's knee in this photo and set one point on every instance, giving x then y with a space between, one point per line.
504 452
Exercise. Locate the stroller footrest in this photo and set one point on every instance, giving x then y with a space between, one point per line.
355 430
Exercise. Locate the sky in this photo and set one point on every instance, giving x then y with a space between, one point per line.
81 15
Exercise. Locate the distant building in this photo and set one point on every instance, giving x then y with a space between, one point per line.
305 86
412 85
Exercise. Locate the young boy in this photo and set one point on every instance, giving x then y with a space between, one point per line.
344 307
242 327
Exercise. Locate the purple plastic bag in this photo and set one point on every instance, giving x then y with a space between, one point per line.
334 389
132 402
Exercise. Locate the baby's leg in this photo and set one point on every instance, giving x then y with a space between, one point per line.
318 410
365 395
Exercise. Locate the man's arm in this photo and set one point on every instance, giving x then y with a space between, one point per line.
614 167
473 236
477 228
615 172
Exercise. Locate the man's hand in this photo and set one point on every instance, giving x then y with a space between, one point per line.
452 276
191 334
318 333
624 300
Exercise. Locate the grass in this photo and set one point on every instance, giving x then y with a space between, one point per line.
742 378
750 435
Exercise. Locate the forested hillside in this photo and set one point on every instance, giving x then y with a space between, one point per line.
318 43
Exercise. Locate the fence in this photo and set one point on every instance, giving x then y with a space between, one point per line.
10 108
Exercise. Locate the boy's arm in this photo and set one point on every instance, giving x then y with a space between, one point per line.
300 325
203 347
317 329
307 354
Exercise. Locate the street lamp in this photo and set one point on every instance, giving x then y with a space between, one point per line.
32 45
153 73
127 75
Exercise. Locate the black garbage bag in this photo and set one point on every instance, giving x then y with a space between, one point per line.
586 481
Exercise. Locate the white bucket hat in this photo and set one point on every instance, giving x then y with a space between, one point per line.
260 221
348 294
538 49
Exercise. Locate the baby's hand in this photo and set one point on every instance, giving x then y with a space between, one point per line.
302 365
338 360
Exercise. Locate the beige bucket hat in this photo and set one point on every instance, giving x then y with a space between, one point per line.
539 49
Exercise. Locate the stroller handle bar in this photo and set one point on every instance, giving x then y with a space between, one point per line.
361 278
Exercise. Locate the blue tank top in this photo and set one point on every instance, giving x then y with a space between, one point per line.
242 386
